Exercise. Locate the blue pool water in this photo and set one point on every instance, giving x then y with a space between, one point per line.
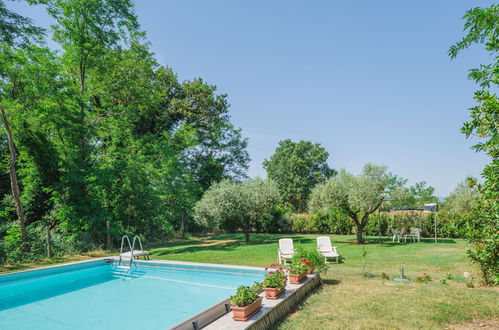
97 295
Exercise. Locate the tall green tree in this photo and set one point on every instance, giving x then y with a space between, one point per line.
16 33
358 196
86 30
482 28
297 167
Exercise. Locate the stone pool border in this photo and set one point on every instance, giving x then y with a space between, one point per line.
27 271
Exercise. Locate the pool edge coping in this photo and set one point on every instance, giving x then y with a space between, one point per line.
200 264
56 266
158 261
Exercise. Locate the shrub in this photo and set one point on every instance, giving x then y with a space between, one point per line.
333 221
278 222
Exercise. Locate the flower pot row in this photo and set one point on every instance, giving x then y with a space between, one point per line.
247 302
244 313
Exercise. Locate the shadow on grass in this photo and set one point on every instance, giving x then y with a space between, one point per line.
256 239
224 246
330 282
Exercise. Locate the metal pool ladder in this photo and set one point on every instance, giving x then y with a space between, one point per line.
132 253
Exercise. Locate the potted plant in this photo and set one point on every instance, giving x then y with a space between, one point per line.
275 282
298 271
245 303
316 260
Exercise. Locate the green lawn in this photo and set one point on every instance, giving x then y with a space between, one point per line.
349 300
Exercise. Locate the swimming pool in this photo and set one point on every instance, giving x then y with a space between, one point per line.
99 295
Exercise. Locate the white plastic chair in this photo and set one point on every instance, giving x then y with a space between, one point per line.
325 249
396 235
415 234
285 251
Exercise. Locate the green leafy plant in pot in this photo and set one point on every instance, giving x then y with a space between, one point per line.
245 303
275 281
298 271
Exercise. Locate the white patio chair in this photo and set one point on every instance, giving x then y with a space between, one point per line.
414 234
286 250
396 235
325 249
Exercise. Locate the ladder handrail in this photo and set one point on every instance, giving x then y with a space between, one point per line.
140 243
129 245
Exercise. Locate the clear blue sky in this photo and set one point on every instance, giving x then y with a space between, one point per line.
369 80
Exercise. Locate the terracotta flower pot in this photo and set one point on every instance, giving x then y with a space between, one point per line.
273 293
296 279
310 268
244 313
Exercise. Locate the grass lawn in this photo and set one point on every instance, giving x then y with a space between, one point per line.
348 300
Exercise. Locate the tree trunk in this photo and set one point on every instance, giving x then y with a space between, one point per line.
360 234
247 234
49 243
13 179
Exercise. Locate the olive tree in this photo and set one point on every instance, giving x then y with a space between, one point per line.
356 195
229 205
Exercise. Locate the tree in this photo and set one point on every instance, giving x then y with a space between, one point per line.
357 196
463 198
86 30
16 32
297 167
229 205
482 27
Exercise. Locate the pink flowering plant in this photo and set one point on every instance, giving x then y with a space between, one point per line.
423 278
298 268
275 277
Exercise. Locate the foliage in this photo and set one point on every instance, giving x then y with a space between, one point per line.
17 30
297 167
244 296
332 220
275 277
481 27
230 206
463 198
279 222
102 132
313 256
357 196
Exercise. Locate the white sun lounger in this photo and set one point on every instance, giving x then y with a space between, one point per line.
325 249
